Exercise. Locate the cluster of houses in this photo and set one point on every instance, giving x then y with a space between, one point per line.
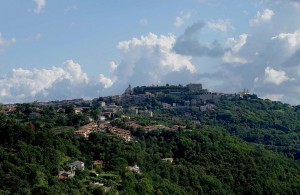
105 127
122 133
77 165
189 105
85 130
6 109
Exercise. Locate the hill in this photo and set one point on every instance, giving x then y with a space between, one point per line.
242 145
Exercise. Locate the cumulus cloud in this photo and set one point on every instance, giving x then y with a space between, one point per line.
40 5
276 77
106 82
64 82
231 58
188 44
74 73
234 46
113 66
4 43
220 25
265 16
146 60
291 39
182 18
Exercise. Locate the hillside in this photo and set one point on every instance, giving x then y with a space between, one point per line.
234 146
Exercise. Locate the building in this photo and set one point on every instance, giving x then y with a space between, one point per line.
146 113
135 169
154 127
77 165
98 163
194 87
122 133
128 91
104 127
85 130
102 104
207 107
66 174
112 108
133 125
168 160
133 110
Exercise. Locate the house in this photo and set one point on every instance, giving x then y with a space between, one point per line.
112 108
177 127
85 130
122 133
149 128
166 105
96 184
102 104
168 160
78 110
108 114
102 118
90 119
146 113
207 107
98 163
77 165
66 174
133 125
104 127
82 133
133 110
154 127
135 169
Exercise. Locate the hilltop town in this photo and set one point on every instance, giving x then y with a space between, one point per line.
150 139
190 100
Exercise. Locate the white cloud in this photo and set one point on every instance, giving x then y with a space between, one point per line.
4 43
231 58
276 77
149 59
220 25
235 45
25 85
74 72
182 18
105 81
265 16
40 5
292 39
113 66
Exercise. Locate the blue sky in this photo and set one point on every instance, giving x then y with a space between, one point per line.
63 49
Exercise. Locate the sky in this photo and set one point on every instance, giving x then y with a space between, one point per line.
67 49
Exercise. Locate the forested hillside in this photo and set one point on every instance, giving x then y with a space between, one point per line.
243 146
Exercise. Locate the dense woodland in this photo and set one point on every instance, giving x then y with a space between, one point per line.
244 146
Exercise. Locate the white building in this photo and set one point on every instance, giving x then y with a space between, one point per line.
77 165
